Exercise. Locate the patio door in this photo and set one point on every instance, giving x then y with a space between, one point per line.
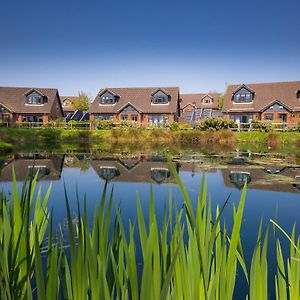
244 119
283 117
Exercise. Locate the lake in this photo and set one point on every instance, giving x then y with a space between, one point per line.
273 184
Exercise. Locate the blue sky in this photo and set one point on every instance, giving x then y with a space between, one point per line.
197 45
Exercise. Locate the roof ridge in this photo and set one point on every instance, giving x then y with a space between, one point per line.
26 87
264 83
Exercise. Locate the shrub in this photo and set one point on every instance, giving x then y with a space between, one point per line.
5 147
174 126
185 126
129 124
215 123
265 126
299 126
103 124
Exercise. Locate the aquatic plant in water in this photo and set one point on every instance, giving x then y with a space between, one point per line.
101 261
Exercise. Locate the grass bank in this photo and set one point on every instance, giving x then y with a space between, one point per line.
5 148
144 137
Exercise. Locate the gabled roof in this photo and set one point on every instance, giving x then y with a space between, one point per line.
129 104
14 98
197 100
278 102
72 99
140 98
265 94
243 86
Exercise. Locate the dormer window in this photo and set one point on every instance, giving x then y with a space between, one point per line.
67 103
160 97
298 94
107 98
207 100
243 96
35 98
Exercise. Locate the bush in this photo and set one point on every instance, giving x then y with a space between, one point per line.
129 124
215 123
103 124
5 147
185 126
265 126
299 126
174 126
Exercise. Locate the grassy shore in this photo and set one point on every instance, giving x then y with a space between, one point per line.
145 137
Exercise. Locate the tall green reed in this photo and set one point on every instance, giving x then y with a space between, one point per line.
193 255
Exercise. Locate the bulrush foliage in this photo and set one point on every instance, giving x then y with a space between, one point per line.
192 255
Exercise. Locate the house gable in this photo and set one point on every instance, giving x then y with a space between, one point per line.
276 106
67 102
4 110
160 97
35 97
128 108
108 98
243 94
207 99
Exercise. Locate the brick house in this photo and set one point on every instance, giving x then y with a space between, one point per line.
263 101
36 105
67 104
151 105
203 105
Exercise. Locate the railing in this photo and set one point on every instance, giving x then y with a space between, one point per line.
4 124
279 126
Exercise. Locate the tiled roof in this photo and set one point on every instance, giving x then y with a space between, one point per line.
14 99
264 95
72 99
197 99
139 98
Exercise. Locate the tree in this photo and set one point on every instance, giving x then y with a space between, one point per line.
221 102
82 103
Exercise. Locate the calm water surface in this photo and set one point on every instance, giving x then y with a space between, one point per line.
273 184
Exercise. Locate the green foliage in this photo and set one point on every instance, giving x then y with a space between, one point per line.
221 102
5 147
298 126
265 126
174 126
102 261
103 124
128 124
215 123
82 103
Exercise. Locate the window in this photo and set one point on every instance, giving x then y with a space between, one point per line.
243 97
159 174
157 119
107 98
108 173
104 117
160 100
269 117
67 103
3 110
239 178
124 117
298 94
134 118
207 101
34 119
35 99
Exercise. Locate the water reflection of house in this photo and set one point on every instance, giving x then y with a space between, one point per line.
260 179
133 170
196 167
49 167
